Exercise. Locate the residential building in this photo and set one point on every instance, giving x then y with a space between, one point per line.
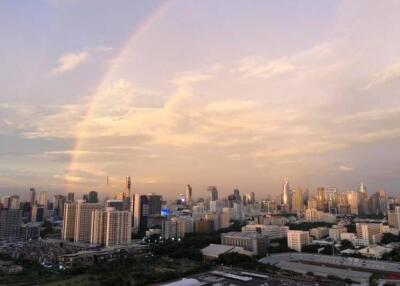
297 239
250 241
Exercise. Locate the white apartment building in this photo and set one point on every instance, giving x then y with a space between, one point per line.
335 231
297 239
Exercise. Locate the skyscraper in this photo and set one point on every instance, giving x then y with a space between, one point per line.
93 197
128 185
321 199
70 197
188 194
286 193
297 200
32 196
143 207
58 206
14 202
43 199
10 224
214 192
69 217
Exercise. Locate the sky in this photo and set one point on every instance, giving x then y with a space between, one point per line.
236 94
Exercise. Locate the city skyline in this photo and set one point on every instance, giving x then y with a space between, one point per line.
171 94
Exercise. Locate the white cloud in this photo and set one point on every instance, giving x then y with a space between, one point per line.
70 61
345 168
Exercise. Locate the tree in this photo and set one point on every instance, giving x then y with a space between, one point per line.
346 244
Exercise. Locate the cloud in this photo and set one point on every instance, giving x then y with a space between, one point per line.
70 61
345 168
73 60
389 74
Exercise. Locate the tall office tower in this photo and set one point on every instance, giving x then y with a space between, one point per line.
14 202
6 202
312 203
297 200
58 205
352 199
111 227
331 199
70 197
252 197
10 224
43 199
286 193
363 200
236 194
188 194
93 197
145 206
83 220
397 216
128 185
116 204
38 213
69 217
214 192
32 196
343 205
377 203
321 199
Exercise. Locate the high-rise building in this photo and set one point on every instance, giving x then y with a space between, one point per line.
43 199
14 202
188 194
38 213
214 192
128 185
321 199
363 200
83 220
116 204
297 239
70 197
10 224
6 202
394 217
93 197
58 206
286 193
69 218
144 206
111 227
32 196
352 199
297 200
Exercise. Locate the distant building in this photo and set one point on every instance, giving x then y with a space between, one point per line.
69 217
93 197
214 192
272 231
83 220
38 213
297 239
250 241
43 199
10 224
370 232
335 232
32 196
319 232
188 194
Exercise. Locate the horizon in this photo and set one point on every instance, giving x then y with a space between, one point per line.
232 94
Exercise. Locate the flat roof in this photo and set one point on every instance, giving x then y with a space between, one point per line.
340 261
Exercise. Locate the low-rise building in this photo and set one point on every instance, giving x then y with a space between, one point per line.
272 231
335 231
250 241
319 232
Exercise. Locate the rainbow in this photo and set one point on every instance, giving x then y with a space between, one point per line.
134 36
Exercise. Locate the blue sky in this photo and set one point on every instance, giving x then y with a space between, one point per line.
228 93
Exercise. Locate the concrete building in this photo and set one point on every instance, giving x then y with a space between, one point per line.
319 232
297 239
214 192
38 213
10 224
83 220
111 227
68 229
335 231
250 241
370 232
272 231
